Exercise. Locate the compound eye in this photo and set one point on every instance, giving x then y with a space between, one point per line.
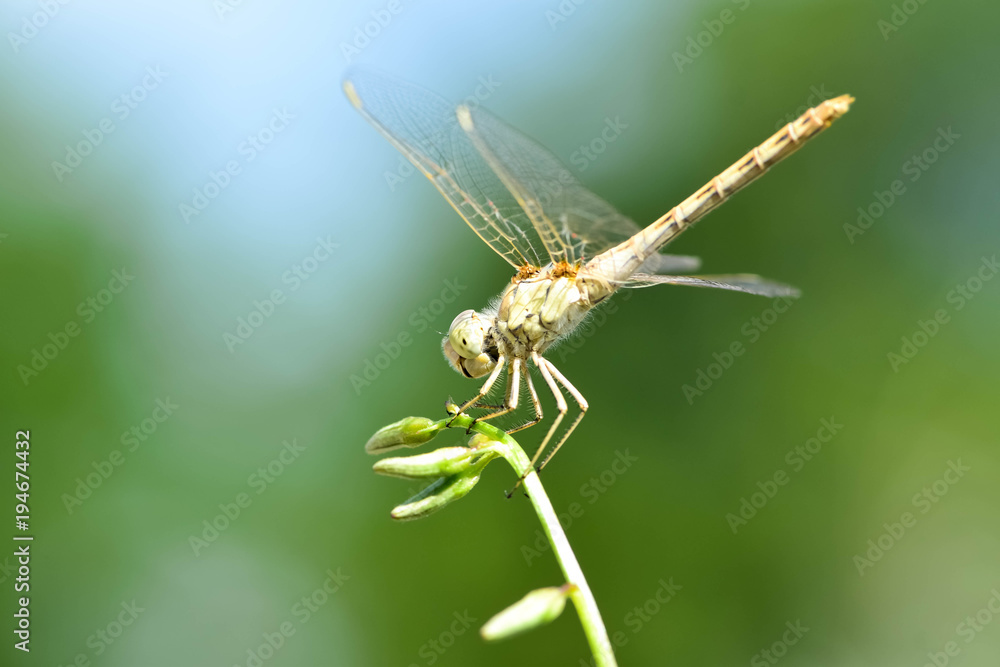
452 356
467 335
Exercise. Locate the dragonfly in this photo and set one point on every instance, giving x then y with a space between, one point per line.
571 250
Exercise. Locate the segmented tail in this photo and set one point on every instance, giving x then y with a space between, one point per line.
624 259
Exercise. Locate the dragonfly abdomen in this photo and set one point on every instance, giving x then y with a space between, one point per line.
625 259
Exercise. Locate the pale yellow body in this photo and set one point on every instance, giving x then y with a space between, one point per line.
537 311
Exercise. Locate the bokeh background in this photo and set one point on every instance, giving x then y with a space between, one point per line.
115 513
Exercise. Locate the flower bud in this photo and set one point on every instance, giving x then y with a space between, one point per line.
533 610
442 492
439 463
409 432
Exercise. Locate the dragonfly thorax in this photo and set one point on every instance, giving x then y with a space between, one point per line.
534 313
531 316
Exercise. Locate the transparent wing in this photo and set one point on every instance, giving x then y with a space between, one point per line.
669 264
423 126
739 282
572 222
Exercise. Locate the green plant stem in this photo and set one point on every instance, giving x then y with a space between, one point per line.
586 606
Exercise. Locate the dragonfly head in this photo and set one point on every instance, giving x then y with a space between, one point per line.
467 348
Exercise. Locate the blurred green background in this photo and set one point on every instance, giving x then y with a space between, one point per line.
151 420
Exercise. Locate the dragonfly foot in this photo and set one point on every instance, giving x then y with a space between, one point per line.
518 484
468 431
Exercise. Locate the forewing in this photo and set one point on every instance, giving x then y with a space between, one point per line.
573 223
423 127
739 282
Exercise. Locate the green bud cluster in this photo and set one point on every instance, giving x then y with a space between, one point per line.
456 470
409 432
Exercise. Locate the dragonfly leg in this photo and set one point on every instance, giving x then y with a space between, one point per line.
576 396
535 403
560 406
513 389
485 389
486 406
